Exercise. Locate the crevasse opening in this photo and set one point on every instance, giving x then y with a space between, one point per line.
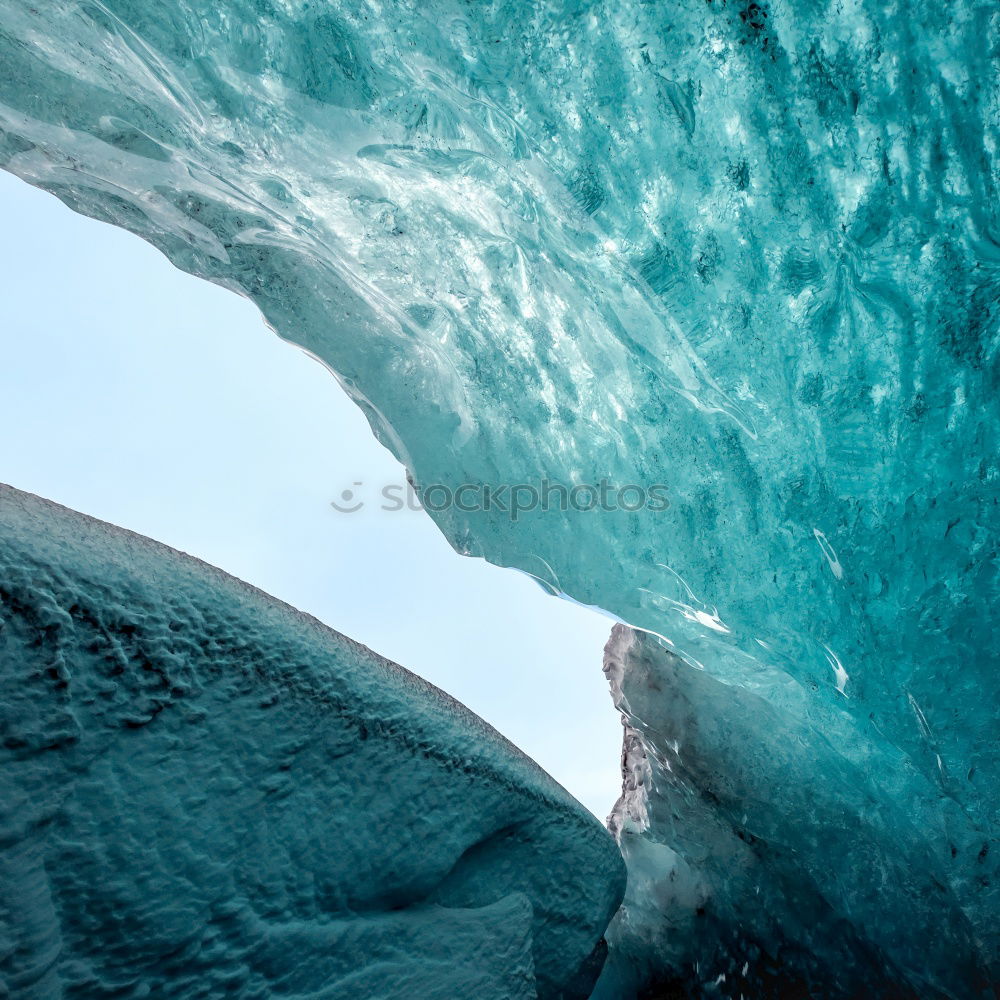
171 411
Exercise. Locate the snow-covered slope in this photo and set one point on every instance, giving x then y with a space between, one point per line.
205 793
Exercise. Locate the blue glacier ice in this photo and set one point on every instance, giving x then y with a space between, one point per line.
749 250
828 883
204 793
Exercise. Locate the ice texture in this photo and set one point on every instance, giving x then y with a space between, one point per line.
750 877
749 250
204 793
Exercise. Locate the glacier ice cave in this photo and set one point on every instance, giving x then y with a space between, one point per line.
747 251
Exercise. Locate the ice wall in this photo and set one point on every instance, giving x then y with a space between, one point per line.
749 250
773 854
204 793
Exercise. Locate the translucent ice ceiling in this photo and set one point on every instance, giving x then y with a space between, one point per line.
745 252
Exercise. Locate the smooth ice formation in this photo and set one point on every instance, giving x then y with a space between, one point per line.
747 250
204 793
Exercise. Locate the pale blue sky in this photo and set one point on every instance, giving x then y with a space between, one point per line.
159 402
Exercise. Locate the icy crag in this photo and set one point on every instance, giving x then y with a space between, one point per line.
204 793
747 250
749 877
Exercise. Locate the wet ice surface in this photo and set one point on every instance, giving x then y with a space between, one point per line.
206 793
748 251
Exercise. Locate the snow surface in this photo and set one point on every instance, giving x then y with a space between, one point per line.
205 793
